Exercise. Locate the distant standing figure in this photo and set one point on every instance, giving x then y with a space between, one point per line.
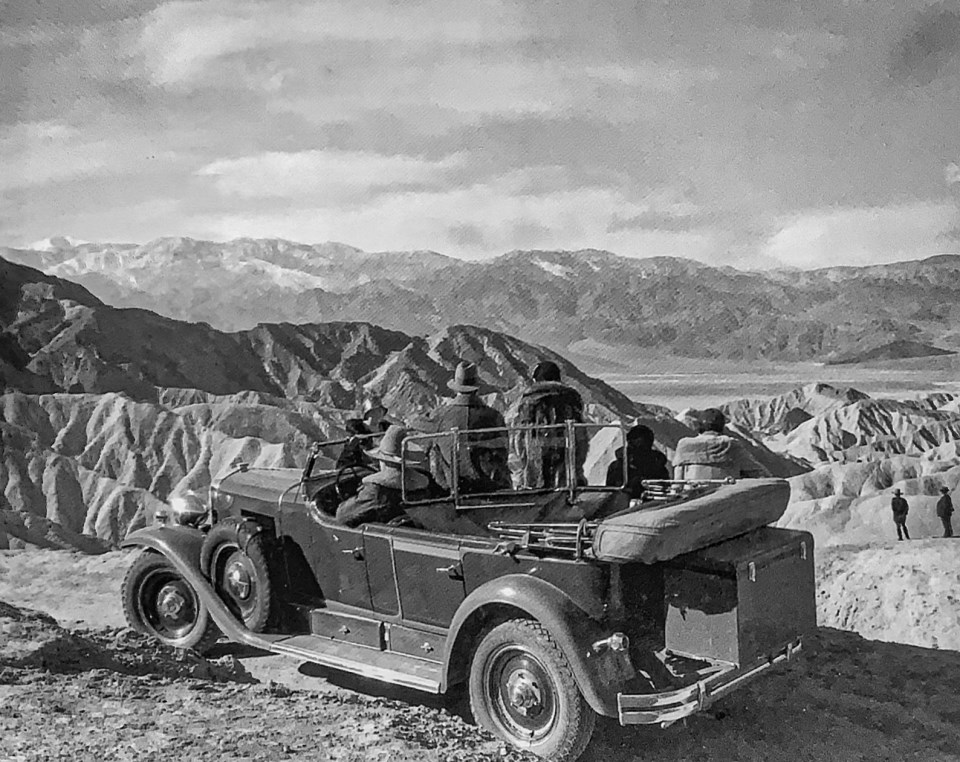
945 511
643 462
542 452
900 510
712 454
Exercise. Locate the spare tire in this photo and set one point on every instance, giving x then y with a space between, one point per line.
236 558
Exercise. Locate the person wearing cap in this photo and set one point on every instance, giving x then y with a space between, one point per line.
483 454
945 511
380 498
642 462
713 454
542 452
900 510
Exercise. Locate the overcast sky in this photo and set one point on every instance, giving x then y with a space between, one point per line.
743 132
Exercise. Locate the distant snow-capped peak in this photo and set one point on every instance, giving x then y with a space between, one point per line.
55 243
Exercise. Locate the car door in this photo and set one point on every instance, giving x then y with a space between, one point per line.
429 576
333 553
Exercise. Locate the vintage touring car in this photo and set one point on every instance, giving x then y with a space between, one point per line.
549 605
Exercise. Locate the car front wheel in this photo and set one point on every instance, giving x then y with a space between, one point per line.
523 690
158 601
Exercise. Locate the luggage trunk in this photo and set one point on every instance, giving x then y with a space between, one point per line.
743 599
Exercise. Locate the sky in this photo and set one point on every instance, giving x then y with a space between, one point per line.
751 133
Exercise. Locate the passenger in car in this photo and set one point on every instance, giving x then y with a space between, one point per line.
541 451
712 454
643 462
380 498
483 455
353 453
376 416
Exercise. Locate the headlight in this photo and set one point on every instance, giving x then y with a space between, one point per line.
220 503
188 508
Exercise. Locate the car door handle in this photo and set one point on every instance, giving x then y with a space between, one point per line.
357 553
453 571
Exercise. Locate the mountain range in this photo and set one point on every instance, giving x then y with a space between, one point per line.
556 298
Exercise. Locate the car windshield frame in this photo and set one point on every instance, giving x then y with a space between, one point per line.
513 495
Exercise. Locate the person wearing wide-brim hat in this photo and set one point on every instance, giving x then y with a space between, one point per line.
483 455
380 498
900 510
945 511
375 415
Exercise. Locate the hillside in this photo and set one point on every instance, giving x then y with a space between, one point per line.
858 450
107 412
56 336
558 298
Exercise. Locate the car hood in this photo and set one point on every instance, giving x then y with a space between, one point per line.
266 484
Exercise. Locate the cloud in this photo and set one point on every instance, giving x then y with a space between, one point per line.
932 42
861 236
477 220
182 38
35 153
334 175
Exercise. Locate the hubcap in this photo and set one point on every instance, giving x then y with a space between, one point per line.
524 694
238 580
170 602
167 604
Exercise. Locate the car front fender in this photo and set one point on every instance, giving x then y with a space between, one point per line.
181 546
599 673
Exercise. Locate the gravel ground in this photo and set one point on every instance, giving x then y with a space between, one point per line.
104 693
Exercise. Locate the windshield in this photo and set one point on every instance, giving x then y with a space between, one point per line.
342 453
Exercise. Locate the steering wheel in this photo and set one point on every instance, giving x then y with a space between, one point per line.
355 471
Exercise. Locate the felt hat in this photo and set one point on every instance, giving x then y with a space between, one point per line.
391 446
944 490
547 370
897 492
465 378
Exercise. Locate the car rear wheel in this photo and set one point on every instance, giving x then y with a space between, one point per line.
159 602
235 556
523 690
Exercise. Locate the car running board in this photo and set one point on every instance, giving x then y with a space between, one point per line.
388 667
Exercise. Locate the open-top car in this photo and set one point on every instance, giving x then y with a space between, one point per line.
552 592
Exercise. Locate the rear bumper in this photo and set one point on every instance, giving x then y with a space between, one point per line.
669 706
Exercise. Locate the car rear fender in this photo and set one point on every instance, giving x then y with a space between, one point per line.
599 673
181 546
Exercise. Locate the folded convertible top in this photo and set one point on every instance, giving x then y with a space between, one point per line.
662 532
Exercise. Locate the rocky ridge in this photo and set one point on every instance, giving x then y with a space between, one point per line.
554 297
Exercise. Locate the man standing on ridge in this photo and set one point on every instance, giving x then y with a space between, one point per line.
900 510
945 511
